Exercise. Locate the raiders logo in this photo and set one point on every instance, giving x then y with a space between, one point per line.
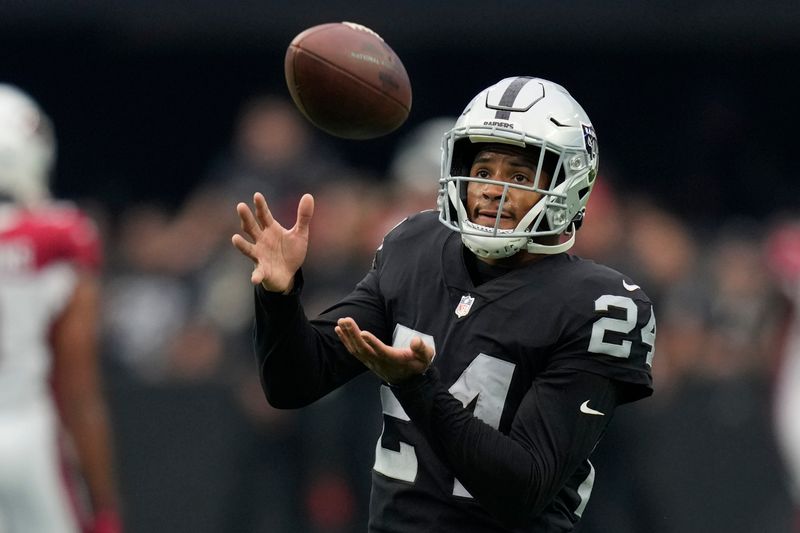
589 140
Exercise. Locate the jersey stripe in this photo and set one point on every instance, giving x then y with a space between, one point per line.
585 490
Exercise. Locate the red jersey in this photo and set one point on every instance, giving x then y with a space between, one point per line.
42 250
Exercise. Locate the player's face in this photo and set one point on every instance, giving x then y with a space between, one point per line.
503 164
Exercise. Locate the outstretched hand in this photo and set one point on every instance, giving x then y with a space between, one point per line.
276 251
392 365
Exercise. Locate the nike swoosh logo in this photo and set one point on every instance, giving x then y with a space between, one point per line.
629 286
588 410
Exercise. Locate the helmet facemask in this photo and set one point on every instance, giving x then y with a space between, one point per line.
563 199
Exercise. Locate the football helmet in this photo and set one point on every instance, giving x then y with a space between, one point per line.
27 147
525 112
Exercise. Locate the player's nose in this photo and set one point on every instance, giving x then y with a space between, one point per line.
492 190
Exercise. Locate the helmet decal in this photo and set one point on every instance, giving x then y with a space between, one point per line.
589 140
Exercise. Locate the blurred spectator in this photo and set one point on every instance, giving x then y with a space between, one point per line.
416 165
744 308
275 151
598 238
53 416
147 302
346 213
412 182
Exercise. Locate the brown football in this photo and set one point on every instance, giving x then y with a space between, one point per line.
347 81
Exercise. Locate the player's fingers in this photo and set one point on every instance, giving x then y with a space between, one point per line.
247 220
257 276
263 214
305 210
243 246
346 339
352 333
353 339
375 345
349 326
421 349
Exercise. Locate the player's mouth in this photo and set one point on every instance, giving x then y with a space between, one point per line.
488 217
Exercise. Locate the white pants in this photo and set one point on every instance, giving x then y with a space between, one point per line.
33 492
787 403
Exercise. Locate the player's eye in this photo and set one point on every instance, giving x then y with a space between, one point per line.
481 173
521 178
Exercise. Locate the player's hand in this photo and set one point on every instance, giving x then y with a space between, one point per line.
276 251
392 365
106 522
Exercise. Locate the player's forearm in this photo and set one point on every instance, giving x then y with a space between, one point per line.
287 366
78 390
497 473
87 422
302 360
298 363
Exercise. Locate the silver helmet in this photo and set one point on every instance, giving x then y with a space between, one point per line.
525 112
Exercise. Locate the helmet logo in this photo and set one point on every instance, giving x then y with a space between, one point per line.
589 140
464 305
498 124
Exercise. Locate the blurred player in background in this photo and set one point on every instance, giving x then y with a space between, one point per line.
503 358
783 252
52 410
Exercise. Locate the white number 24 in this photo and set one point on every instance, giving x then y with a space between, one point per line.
597 342
485 381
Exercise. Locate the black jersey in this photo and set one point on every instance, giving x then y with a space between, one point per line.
529 367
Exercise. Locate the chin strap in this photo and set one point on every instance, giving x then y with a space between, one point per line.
538 248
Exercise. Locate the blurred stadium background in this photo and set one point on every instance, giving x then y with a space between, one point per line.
169 112
156 84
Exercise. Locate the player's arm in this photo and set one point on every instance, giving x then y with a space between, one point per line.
79 395
301 360
515 476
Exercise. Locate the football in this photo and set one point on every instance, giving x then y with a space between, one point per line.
347 81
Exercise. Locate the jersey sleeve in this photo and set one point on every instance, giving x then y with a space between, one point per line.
609 328
301 359
516 476
77 238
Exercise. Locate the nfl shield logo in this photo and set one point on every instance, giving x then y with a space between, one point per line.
464 305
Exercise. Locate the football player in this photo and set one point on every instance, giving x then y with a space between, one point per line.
51 406
503 358
783 255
